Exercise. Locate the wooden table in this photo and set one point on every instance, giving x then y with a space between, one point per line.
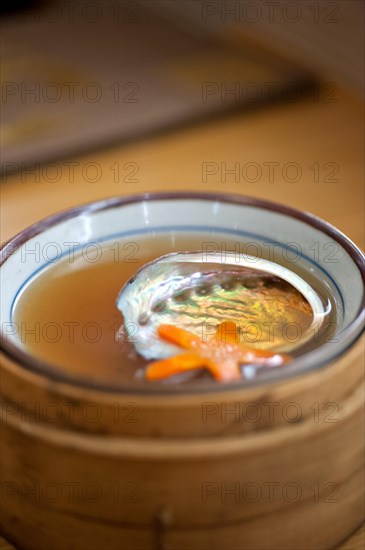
318 143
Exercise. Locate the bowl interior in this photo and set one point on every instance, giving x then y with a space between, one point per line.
302 243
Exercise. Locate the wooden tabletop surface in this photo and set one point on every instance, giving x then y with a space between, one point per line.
318 143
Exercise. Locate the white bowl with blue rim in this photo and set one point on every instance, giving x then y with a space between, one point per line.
292 237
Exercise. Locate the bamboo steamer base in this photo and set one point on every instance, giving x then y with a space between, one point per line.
177 479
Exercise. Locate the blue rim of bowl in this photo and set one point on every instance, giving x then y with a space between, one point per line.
302 365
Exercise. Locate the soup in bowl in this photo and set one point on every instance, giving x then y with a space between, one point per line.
282 276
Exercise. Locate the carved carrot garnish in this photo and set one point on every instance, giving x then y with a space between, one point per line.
222 355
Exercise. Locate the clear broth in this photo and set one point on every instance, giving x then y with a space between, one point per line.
67 315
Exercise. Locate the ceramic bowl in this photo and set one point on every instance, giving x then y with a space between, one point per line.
307 245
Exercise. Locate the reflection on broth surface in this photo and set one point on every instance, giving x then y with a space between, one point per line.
67 315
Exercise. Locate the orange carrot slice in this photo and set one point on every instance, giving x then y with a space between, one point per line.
222 355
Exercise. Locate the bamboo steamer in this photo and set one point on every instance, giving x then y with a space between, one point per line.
276 466
272 466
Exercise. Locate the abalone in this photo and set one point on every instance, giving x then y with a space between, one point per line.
274 307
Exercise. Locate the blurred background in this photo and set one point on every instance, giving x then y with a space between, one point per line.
115 97
79 75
